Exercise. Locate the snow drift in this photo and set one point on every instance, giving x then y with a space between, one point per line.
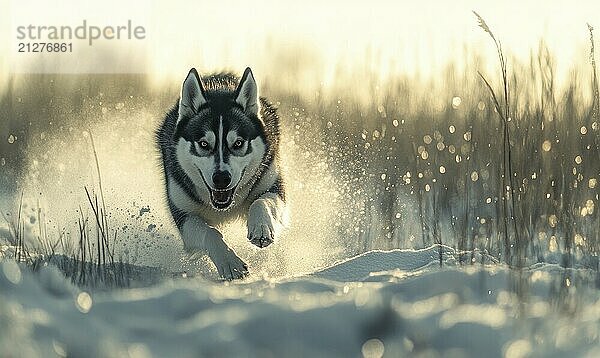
381 303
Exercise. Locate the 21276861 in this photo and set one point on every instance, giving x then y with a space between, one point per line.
45 47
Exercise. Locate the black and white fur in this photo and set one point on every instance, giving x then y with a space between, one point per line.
219 147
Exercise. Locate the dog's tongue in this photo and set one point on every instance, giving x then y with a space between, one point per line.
222 196
222 199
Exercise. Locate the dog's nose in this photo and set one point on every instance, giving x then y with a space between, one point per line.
221 179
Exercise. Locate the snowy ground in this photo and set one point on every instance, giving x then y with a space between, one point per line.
395 303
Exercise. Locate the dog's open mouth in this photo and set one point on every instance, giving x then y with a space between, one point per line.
221 199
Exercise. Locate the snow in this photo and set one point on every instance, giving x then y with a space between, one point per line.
390 303
361 266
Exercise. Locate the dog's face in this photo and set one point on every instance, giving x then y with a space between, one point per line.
219 138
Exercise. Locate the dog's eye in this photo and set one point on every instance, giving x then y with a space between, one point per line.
238 144
203 144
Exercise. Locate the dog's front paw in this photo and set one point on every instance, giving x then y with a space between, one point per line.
261 224
230 266
260 234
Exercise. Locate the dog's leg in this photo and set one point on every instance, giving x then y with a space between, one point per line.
198 236
265 219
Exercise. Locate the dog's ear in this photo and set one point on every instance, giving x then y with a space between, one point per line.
192 95
247 93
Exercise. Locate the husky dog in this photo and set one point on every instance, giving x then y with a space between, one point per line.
219 147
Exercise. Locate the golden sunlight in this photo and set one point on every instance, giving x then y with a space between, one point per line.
325 38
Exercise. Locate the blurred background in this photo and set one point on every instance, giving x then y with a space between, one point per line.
391 138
